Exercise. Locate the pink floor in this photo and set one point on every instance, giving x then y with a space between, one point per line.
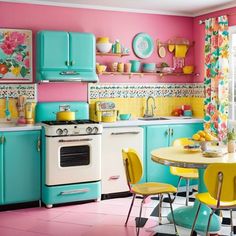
106 217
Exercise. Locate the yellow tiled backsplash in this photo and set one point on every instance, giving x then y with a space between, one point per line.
131 98
164 105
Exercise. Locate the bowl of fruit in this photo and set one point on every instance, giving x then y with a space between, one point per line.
204 138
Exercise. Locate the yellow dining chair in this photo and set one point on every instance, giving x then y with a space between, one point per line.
134 171
184 173
220 180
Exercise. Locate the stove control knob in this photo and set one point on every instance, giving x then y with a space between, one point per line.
65 131
95 130
59 131
89 130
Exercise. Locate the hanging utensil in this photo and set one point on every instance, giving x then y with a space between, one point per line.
7 111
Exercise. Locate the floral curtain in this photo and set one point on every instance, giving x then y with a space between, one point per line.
216 75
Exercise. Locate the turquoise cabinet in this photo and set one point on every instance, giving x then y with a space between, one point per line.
53 50
19 167
65 55
163 136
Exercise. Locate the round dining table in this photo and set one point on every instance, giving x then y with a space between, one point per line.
177 156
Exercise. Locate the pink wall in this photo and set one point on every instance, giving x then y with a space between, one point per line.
199 32
117 25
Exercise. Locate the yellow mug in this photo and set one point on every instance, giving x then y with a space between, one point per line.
120 67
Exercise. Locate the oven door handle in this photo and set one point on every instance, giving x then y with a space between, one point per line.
75 191
75 140
123 133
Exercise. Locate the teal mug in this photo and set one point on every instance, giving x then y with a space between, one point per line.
135 65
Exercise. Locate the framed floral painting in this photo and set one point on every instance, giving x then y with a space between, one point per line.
15 56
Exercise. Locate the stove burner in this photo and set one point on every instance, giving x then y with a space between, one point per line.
69 122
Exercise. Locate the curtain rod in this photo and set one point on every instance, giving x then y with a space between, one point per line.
203 21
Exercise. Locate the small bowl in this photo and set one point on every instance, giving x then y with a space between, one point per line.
125 116
149 67
104 47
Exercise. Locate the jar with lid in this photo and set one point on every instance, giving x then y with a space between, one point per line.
117 46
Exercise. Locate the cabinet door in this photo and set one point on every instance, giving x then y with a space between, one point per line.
53 49
183 130
113 140
82 51
156 137
21 159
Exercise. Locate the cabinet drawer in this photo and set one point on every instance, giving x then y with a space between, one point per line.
71 193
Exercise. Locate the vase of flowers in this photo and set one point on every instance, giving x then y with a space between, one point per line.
231 137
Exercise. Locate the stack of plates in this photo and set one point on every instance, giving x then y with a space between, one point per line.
213 153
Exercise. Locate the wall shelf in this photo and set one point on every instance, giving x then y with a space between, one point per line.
141 74
112 54
159 43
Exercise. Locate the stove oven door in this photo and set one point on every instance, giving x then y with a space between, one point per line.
72 159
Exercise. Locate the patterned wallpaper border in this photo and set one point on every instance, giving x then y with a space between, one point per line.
15 90
105 90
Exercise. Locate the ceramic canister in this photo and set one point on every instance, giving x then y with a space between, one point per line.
135 65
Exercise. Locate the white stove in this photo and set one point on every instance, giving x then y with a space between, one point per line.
72 128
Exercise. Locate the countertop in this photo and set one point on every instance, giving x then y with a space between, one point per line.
18 127
137 122
121 123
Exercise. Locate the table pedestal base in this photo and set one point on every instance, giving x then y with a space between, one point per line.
184 216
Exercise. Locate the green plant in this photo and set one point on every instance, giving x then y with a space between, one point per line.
231 135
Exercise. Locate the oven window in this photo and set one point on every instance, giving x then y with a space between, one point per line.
75 156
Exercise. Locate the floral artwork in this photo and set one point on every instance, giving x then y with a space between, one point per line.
216 75
15 55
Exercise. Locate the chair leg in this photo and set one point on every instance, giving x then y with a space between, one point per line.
140 214
187 191
195 219
132 203
231 222
209 221
160 207
172 213
179 181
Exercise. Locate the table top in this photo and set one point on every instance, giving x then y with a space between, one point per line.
176 156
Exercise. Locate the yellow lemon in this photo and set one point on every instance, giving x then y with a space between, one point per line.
196 137
202 139
208 137
202 133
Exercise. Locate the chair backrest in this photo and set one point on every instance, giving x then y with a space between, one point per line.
133 166
178 143
220 180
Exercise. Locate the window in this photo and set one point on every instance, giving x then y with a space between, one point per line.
232 73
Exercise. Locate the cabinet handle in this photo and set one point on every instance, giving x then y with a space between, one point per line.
85 190
171 132
69 73
167 132
2 139
122 133
72 63
38 144
67 63
114 177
